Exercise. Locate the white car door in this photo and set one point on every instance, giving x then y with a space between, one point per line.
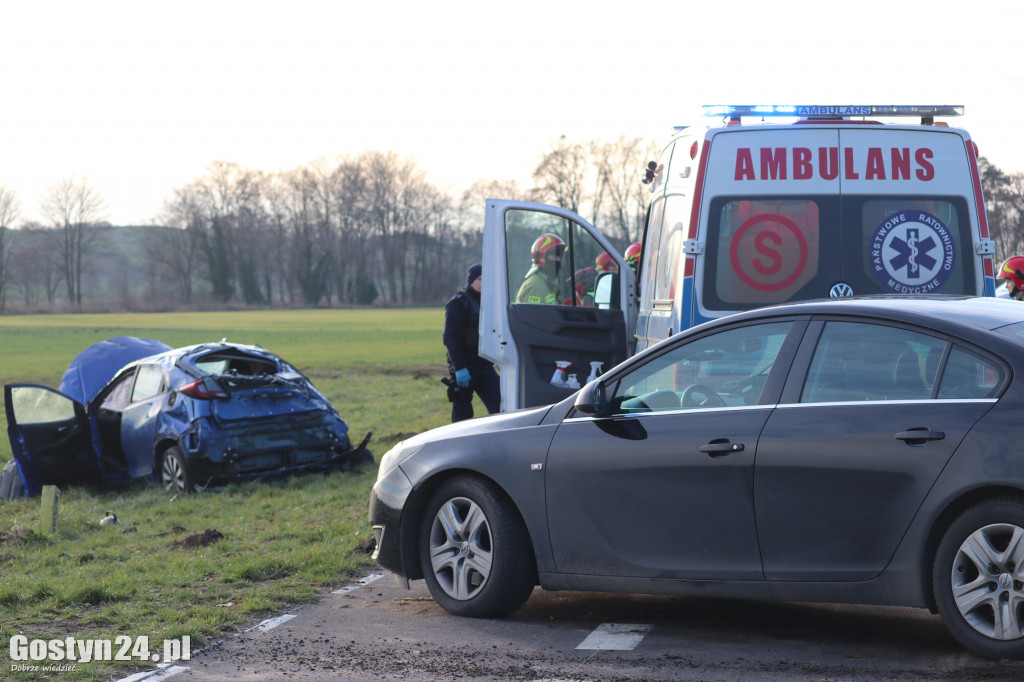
530 341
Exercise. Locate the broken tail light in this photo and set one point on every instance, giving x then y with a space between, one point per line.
204 389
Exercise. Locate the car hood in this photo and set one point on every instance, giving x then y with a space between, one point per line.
94 367
469 427
495 422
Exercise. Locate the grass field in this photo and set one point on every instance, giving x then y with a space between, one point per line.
283 541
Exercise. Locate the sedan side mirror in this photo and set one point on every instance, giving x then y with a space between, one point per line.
592 400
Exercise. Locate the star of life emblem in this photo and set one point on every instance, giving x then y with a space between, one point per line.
912 252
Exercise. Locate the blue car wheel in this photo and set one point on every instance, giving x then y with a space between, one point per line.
174 473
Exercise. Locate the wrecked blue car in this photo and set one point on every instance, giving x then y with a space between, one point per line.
131 409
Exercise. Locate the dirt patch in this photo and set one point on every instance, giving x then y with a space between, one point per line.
203 539
14 535
365 547
401 435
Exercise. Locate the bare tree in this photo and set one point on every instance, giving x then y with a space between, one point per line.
619 165
173 251
395 192
35 266
1004 205
10 208
560 177
73 207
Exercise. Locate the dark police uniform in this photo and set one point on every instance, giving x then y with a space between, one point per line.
462 337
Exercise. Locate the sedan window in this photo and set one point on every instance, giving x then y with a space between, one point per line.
856 362
35 405
969 375
117 396
149 383
727 369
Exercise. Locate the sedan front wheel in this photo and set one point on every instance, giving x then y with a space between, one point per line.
978 577
475 551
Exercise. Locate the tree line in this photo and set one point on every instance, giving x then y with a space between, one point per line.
357 230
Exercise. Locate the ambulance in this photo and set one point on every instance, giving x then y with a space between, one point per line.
771 204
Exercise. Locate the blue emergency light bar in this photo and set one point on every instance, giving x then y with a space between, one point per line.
735 111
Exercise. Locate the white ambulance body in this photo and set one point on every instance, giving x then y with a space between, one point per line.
742 216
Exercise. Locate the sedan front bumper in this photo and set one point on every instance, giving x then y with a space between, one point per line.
387 503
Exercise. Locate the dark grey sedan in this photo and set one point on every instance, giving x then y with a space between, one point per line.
860 451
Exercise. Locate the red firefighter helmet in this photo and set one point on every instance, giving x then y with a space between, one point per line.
543 244
633 255
586 278
1013 272
605 263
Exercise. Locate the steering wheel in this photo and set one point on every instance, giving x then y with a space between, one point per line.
700 395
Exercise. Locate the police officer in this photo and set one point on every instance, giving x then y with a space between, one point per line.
461 337
541 283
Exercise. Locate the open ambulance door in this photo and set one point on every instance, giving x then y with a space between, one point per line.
528 341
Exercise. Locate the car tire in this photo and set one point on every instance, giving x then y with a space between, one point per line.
174 471
475 551
978 578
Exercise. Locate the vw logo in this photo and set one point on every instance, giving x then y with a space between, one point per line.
840 290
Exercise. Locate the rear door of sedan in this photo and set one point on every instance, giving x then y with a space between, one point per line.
867 421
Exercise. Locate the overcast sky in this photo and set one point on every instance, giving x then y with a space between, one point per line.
140 97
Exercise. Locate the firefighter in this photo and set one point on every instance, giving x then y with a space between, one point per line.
541 282
1013 272
632 256
605 263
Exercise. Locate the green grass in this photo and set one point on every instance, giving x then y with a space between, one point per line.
283 542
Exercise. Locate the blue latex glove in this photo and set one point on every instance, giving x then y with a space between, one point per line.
462 377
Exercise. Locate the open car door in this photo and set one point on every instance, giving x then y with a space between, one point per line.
532 337
50 437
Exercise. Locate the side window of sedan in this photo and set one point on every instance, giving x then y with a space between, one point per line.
727 369
856 361
968 375
150 382
117 397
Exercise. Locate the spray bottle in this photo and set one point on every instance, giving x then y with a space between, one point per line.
558 379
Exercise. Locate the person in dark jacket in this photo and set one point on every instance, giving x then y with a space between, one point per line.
461 337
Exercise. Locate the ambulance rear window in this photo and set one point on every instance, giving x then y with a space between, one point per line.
914 245
766 249
771 249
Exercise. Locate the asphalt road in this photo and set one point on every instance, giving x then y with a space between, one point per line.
378 631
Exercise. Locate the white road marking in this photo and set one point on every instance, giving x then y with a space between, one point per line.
363 582
158 674
271 623
615 637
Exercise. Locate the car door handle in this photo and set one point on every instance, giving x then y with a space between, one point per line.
721 446
920 435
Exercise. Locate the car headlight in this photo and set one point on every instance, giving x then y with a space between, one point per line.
396 456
